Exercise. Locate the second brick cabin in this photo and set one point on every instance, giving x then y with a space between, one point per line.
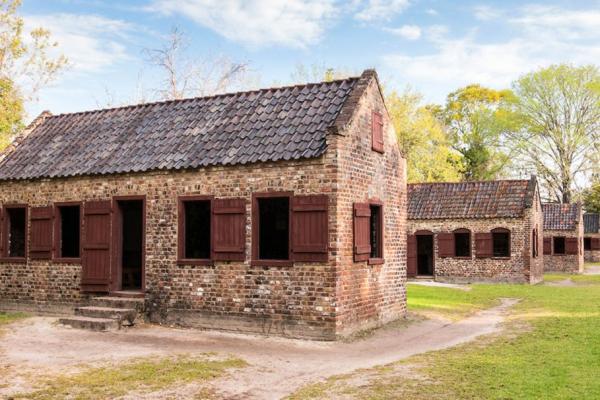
563 237
475 231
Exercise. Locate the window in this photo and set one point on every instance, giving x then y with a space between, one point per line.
377 142
69 231
273 221
501 242
462 243
376 231
534 243
194 229
587 243
16 232
559 245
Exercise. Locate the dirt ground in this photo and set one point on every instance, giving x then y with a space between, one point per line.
38 346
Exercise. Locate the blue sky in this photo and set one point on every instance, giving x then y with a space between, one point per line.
433 46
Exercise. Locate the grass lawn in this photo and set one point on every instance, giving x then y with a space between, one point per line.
9 317
550 349
142 375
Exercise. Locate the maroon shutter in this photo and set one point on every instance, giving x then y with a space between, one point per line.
571 245
2 232
95 274
377 132
362 234
411 256
484 245
595 243
40 234
229 229
445 244
310 228
547 245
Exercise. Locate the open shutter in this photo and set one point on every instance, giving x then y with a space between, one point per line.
377 132
571 245
534 243
547 245
595 243
96 260
445 244
411 256
362 234
310 228
40 245
484 245
229 229
2 232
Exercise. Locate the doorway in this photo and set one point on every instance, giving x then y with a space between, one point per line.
425 255
130 244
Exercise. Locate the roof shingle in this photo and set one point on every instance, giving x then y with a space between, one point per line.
485 199
274 124
560 216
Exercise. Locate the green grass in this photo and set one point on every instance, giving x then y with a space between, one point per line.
550 349
142 375
10 317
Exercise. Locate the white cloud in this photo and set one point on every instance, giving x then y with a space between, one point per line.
90 42
408 32
293 23
381 9
431 11
541 36
486 13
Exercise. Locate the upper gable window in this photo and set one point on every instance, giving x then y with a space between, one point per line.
377 132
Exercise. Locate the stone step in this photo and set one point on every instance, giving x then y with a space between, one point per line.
118 302
128 293
125 316
90 323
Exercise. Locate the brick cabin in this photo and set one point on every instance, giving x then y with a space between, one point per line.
486 231
563 237
591 238
273 211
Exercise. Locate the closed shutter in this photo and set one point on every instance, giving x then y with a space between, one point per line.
362 235
595 243
377 132
2 232
40 246
229 229
484 245
547 245
310 228
445 244
571 246
411 256
96 260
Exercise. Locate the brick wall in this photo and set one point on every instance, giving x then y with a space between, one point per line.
565 262
313 300
369 295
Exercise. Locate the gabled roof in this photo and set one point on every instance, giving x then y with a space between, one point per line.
286 123
591 223
485 199
561 216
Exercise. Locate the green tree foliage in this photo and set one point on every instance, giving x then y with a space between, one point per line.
591 198
422 140
476 118
25 66
560 110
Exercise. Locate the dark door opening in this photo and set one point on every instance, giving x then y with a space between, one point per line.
131 246
424 254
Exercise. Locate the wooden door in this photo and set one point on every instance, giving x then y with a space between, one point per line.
96 260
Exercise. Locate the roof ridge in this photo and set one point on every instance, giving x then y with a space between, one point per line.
214 96
467 182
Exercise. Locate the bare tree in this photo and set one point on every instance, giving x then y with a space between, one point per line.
184 76
560 111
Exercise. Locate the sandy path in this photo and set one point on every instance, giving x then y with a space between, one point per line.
278 366
592 270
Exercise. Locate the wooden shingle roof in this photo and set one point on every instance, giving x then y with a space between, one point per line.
461 200
561 216
286 123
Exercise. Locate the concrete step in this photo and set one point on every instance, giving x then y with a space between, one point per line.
125 316
90 323
119 302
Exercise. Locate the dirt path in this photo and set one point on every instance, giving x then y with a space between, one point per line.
592 270
278 366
